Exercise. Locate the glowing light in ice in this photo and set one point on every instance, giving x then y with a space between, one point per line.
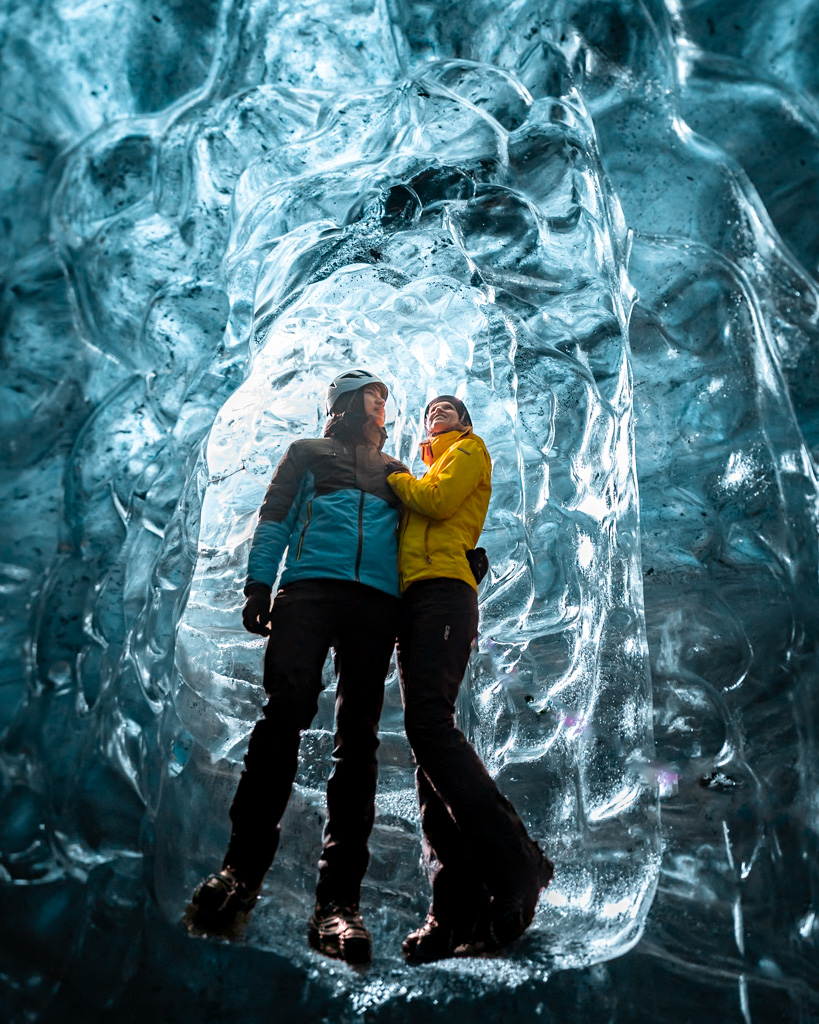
585 552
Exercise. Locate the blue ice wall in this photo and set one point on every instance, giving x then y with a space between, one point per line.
607 240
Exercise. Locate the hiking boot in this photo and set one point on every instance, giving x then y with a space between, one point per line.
221 905
465 933
338 930
434 940
513 905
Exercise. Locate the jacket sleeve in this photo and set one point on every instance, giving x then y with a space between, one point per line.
277 517
457 477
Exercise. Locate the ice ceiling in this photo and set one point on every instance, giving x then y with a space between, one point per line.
598 222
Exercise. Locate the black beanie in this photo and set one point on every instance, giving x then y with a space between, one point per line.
460 408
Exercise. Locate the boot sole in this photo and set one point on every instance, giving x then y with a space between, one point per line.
416 956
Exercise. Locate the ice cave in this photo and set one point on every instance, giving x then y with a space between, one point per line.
596 222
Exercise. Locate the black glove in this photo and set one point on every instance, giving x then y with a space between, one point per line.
478 563
256 612
394 466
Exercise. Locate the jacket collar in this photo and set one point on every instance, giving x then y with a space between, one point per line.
434 447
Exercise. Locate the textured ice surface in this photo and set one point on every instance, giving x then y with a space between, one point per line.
198 231
426 259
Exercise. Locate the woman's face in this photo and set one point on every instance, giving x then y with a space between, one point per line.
442 416
375 404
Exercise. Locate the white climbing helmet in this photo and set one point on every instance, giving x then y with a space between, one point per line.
352 380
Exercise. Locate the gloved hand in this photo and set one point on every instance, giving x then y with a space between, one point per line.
478 563
394 466
256 612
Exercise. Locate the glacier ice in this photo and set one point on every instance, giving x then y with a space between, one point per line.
596 221
521 304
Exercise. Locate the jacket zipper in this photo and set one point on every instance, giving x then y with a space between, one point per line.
426 546
360 537
304 528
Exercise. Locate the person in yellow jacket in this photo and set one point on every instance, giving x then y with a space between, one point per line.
486 872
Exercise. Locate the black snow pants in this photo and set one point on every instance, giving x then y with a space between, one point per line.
308 618
475 836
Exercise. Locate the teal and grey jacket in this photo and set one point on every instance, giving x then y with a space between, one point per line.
330 506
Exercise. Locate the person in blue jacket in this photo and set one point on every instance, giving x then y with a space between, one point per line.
330 508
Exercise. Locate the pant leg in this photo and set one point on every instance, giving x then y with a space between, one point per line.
458 891
363 649
301 633
439 623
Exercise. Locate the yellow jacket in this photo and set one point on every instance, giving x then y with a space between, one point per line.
444 510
